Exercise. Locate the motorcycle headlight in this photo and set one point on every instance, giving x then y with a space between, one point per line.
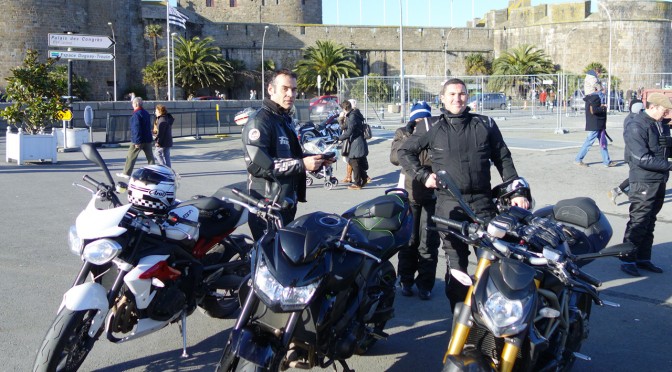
273 293
74 242
504 316
101 251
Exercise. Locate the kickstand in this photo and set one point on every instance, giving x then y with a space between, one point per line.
183 331
344 365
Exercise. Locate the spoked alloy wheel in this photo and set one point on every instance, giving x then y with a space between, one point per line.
67 342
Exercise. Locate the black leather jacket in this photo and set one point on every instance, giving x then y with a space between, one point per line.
646 158
463 145
270 147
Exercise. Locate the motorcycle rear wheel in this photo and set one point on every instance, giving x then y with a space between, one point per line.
67 342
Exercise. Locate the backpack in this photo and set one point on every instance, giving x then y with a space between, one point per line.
399 140
366 131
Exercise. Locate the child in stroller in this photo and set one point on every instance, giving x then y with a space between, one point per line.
320 146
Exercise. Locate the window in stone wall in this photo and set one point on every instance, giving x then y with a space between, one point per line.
209 3
302 30
232 3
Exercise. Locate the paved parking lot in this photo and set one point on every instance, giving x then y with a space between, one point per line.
36 266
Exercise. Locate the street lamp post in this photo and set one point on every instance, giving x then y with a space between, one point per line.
263 72
608 68
172 61
114 61
566 95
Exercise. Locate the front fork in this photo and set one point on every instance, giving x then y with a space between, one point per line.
463 323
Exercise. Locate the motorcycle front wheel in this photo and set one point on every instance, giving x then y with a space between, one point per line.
67 342
382 281
231 363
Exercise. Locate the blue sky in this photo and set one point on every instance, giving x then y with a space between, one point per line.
426 13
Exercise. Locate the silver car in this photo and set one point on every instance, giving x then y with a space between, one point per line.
487 101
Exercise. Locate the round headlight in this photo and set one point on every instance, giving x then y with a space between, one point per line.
101 251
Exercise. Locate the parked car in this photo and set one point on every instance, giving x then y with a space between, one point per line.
322 104
487 101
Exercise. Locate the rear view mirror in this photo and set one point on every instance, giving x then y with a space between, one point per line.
618 250
446 182
91 153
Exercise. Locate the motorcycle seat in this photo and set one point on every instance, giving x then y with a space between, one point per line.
215 215
582 217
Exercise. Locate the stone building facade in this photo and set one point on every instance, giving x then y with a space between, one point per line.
569 33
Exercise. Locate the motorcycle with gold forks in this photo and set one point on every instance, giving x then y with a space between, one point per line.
529 302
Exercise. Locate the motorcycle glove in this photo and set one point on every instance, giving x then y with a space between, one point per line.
539 237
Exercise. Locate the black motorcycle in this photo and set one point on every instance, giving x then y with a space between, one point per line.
322 287
529 302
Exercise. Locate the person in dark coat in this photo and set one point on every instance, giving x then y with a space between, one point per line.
141 137
273 156
421 254
464 145
596 125
647 157
163 130
359 149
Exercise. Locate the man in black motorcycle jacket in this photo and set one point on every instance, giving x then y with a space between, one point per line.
647 149
462 144
271 148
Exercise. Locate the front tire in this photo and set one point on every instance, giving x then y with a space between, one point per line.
230 363
67 342
382 281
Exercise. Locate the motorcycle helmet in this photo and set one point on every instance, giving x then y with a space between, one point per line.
503 193
152 188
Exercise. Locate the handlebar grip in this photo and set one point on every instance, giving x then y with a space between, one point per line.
250 199
588 278
91 181
460 226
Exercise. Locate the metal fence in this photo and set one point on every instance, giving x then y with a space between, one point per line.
523 96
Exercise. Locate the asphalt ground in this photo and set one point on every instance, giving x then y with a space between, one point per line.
36 267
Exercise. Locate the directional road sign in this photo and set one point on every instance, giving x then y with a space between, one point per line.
81 55
80 41
65 115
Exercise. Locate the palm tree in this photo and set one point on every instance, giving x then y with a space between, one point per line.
477 64
327 59
523 60
153 32
199 64
597 67
155 74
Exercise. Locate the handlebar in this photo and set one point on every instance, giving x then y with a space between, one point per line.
461 226
107 190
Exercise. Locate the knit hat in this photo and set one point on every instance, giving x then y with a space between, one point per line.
420 110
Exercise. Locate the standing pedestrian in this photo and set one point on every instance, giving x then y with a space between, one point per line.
348 168
649 172
141 137
463 145
596 125
163 130
542 98
359 149
421 254
272 152
635 107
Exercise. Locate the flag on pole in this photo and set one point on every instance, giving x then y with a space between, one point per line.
176 18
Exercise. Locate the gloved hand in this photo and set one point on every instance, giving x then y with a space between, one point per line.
541 232
410 126
665 141
502 224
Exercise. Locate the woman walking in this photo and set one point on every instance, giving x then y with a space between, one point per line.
354 133
163 130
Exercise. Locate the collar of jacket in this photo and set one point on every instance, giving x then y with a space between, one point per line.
463 117
275 108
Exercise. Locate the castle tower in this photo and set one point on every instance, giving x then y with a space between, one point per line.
258 11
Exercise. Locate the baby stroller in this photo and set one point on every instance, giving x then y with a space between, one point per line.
319 146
